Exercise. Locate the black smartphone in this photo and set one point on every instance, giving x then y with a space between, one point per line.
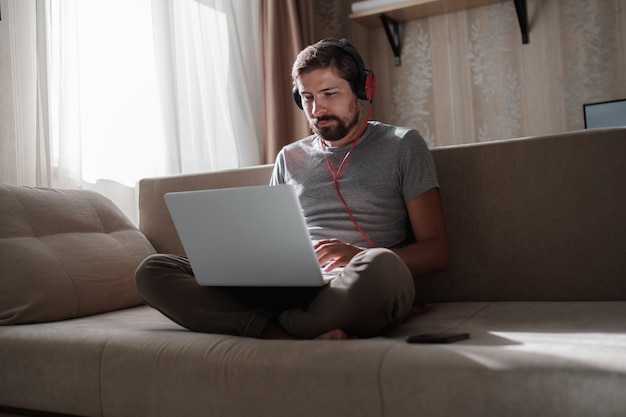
437 337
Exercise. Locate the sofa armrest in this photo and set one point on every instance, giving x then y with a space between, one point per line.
65 254
154 218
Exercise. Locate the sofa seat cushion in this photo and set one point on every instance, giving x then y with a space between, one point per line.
56 366
65 254
523 359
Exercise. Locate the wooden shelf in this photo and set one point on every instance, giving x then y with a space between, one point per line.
415 9
391 15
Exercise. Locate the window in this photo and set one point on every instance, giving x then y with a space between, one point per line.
146 88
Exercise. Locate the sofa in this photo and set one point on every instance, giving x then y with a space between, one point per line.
537 277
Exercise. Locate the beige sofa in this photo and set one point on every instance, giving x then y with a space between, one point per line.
537 277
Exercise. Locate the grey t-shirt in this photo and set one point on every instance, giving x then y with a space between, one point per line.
388 167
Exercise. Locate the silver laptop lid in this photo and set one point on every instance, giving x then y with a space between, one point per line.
245 236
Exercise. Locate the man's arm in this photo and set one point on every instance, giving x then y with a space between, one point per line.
430 252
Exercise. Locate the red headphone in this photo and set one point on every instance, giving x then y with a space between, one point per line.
364 86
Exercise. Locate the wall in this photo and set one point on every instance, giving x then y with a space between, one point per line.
466 76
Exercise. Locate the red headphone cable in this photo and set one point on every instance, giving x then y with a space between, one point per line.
335 176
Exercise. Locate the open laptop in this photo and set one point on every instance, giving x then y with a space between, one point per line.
246 236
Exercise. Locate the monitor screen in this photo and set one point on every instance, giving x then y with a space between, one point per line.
605 114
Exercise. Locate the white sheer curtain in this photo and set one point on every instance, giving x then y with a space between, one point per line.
18 94
141 88
208 56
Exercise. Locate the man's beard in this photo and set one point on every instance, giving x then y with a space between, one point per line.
339 131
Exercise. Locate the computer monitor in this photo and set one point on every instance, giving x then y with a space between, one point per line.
605 114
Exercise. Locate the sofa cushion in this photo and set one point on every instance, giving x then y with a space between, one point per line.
523 359
65 254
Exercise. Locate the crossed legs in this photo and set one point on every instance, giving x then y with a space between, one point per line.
375 291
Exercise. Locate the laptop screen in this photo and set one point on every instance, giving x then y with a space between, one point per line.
605 114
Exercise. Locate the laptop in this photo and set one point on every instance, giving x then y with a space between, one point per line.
246 236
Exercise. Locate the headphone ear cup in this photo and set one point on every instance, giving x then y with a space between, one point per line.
370 85
366 86
297 98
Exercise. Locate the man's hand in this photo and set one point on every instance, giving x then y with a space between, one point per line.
333 253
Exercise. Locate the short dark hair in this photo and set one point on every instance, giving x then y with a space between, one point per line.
324 54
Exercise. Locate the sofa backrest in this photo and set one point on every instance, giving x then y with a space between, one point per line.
540 218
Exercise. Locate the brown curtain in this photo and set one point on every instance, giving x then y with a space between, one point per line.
283 37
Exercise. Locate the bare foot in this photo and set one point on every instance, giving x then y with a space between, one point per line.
336 334
275 331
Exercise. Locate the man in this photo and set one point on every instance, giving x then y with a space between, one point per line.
370 197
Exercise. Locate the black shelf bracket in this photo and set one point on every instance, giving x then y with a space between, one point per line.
392 29
393 35
522 17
